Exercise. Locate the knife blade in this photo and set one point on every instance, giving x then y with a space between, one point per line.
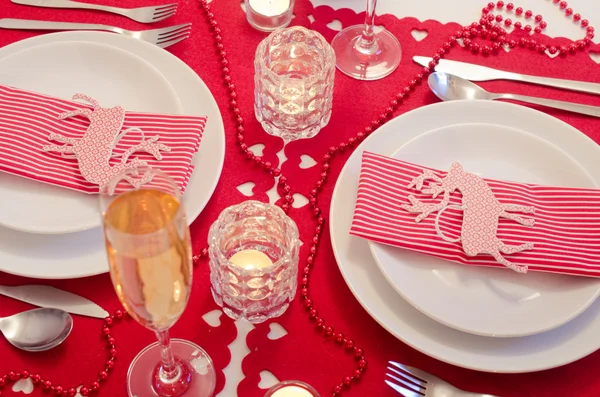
474 72
46 296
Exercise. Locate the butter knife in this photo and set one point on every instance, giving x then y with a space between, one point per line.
46 296
473 72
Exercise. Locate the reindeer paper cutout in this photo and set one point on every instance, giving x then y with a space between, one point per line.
93 150
481 211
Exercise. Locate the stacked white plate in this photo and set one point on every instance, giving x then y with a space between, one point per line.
486 319
51 232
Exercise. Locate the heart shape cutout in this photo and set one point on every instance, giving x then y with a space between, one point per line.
246 188
257 149
336 25
276 331
213 318
595 56
267 380
23 385
550 55
419 35
306 161
299 200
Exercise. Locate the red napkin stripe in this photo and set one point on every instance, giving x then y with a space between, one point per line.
27 119
566 234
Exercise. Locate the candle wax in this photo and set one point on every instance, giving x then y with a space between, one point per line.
269 8
292 391
251 259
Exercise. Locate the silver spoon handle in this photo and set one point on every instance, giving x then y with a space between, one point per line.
569 106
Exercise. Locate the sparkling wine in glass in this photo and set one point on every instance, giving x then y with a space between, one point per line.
363 54
148 247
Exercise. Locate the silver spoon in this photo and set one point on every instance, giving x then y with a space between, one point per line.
448 88
37 330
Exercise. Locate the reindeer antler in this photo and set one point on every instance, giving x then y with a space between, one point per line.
434 189
418 181
418 207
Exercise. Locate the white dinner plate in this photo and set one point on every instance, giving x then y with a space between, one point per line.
82 254
489 301
61 69
557 347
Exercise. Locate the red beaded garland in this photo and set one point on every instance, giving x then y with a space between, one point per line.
58 390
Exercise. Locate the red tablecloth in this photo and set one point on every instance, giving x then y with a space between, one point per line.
302 354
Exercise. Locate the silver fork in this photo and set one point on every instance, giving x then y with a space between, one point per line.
163 37
140 14
412 382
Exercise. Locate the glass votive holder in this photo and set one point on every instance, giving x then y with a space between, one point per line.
292 388
253 249
293 83
269 15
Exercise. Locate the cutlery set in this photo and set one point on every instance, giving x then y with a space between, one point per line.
163 37
452 81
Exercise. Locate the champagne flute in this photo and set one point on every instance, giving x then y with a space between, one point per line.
363 54
149 252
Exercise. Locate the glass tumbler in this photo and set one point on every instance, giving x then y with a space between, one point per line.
294 75
253 249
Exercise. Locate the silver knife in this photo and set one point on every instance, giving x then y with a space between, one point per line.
473 72
46 296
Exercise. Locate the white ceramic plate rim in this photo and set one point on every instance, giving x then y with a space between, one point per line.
207 168
588 294
44 191
558 347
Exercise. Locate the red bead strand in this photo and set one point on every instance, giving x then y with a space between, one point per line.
58 390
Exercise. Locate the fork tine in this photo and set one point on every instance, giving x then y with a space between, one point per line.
165 6
175 29
162 17
171 38
402 390
169 29
165 11
409 379
170 33
172 42
417 373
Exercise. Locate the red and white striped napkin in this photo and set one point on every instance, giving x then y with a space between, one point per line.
566 234
27 119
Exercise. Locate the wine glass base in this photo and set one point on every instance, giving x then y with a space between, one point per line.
364 65
199 371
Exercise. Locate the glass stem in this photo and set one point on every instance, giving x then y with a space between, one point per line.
367 44
169 369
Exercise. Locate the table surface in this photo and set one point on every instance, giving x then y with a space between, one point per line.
463 12
444 11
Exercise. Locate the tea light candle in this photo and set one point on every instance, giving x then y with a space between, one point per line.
268 15
292 389
251 259
269 8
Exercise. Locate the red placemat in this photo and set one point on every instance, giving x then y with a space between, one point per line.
302 353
